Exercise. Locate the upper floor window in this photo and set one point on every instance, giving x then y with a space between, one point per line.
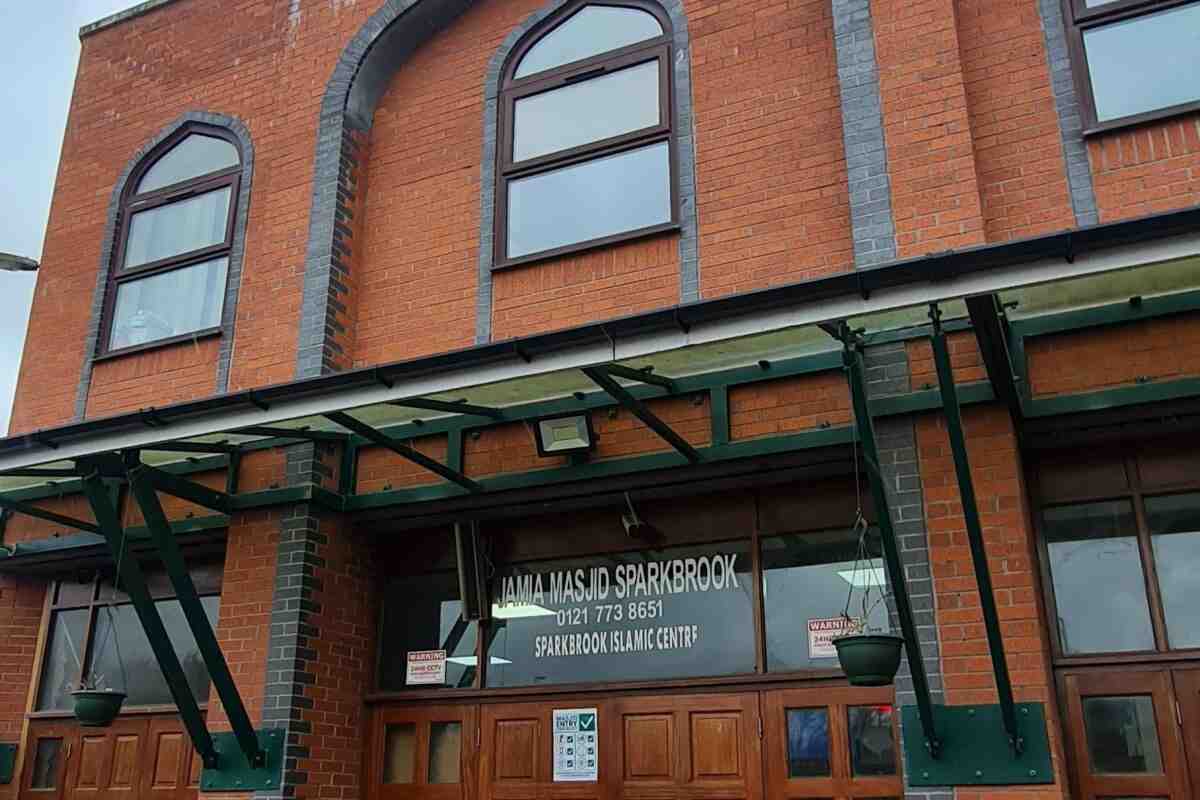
586 154
1135 60
176 230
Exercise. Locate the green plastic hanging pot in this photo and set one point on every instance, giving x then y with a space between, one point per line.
97 708
869 659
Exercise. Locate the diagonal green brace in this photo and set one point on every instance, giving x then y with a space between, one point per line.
141 484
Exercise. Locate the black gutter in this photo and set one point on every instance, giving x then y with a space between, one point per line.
938 266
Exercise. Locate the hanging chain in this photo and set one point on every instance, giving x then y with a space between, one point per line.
112 620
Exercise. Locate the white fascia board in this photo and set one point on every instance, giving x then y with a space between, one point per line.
1168 249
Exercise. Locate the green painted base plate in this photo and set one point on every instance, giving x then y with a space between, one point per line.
975 749
8 761
234 774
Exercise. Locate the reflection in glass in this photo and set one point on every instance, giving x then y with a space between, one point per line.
400 753
808 742
584 112
196 155
1146 63
653 614
1174 523
178 227
60 670
602 197
1099 586
423 612
144 681
169 304
807 577
445 752
589 32
872 747
45 764
1121 736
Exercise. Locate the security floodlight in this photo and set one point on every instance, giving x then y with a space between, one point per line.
15 263
564 435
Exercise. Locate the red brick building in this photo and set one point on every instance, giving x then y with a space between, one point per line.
433 398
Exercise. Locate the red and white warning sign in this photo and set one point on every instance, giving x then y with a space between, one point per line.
426 666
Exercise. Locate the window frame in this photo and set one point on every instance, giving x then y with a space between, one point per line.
132 203
1079 19
512 89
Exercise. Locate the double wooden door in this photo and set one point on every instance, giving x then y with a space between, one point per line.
136 758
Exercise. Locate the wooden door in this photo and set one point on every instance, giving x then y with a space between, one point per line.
687 747
425 752
516 758
1187 695
49 746
1124 735
106 762
831 742
172 767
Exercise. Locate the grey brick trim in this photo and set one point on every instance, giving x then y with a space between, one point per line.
888 373
1070 114
122 16
236 253
685 137
871 220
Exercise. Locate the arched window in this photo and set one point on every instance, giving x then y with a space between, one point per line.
170 267
586 155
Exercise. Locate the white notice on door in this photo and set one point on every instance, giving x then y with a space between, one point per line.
823 630
576 744
426 666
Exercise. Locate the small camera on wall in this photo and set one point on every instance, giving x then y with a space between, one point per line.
635 526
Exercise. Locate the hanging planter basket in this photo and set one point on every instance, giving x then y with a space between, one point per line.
869 659
97 708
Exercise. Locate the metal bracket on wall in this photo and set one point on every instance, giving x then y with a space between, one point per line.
235 774
8 761
975 748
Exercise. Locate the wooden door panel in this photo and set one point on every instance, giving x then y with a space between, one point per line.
649 747
516 757
92 752
1187 694
127 763
716 745
423 753
516 746
45 773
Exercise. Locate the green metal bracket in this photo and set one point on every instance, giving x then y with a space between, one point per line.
975 749
401 449
8 761
616 391
234 774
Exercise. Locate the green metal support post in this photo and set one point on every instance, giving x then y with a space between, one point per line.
133 581
853 360
141 484
966 488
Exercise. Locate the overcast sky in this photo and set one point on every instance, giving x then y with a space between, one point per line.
39 48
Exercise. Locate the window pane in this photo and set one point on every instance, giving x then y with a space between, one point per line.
169 304
808 742
178 227
195 156
45 764
674 612
588 111
609 195
806 580
1121 736
445 752
1099 586
144 681
424 612
872 747
64 650
589 32
1175 527
400 753
1145 63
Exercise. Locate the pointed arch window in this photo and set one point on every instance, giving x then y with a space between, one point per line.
586 152
170 267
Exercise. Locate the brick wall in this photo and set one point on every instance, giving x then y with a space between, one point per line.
21 603
1147 169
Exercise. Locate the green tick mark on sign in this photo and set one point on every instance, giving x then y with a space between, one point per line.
587 722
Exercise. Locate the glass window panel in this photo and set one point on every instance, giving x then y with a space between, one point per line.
70 593
588 111
169 304
602 197
589 32
808 742
872 745
45 764
179 227
445 752
653 614
1145 63
1099 586
1174 523
400 753
144 681
1121 736
806 579
424 612
195 156
60 670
